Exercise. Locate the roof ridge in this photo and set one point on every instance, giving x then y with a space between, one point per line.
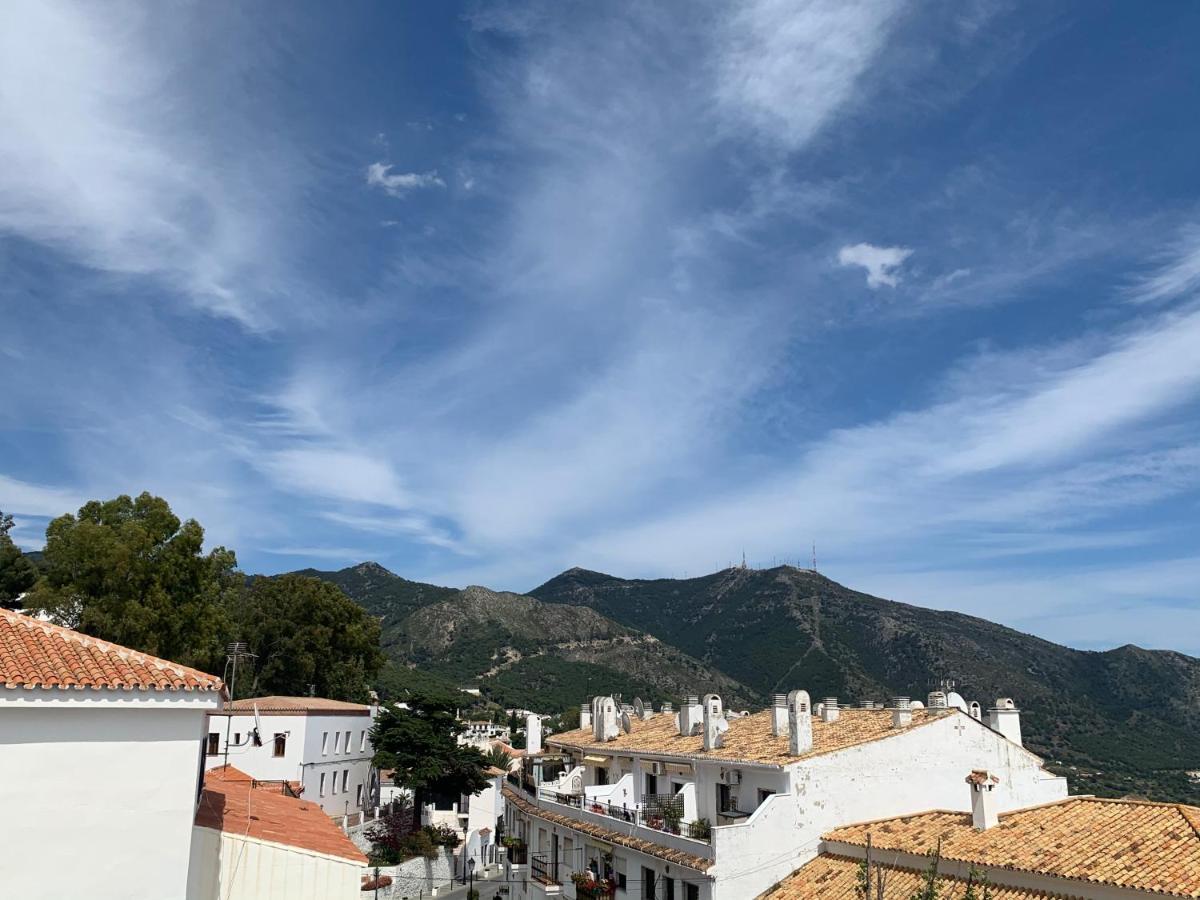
30 623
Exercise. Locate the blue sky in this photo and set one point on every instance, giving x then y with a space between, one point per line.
486 291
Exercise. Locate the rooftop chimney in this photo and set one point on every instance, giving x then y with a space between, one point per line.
1005 718
866 704
936 700
606 723
585 715
779 716
829 710
533 733
690 714
715 725
901 713
800 738
667 708
984 814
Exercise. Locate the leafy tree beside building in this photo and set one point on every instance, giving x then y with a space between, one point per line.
17 572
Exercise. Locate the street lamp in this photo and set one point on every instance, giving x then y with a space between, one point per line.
471 869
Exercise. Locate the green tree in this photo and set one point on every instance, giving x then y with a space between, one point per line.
17 573
308 636
421 744
127 570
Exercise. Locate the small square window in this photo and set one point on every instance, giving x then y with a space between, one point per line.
214 743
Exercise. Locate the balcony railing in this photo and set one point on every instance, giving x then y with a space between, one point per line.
595 890
665 817
541 869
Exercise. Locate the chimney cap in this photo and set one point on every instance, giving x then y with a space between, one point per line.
981 778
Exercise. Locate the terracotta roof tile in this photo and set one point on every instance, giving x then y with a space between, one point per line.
37 654
1152 847
678 857
229 803
275 705
749 738
836 878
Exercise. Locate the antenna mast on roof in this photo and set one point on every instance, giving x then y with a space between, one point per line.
235 651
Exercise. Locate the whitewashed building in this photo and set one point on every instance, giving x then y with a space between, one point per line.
254 841
695 805
101 759
321 747
1077 847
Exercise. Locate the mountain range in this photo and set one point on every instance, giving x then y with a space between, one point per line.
1117 722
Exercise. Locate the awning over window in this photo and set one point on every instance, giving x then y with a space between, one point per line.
596 760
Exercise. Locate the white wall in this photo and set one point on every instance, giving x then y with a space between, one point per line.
228 866
101 786
307 755
915 771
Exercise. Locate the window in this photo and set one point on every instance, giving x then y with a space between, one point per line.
346 743
214 743
668 889
691 891
358 795
763 794
621 881
651 784
345 780
237 738
337 741
325 743
322 789
280 744
362 741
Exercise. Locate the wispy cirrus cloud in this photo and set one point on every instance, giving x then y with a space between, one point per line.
400 183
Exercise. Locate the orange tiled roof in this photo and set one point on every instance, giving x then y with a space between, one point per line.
749 738
234 775
296 706
836 878
37 654
1152 847
229 803
691 861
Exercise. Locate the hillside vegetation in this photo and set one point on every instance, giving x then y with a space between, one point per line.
1121 721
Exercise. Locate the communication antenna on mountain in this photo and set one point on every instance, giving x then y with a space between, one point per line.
814 559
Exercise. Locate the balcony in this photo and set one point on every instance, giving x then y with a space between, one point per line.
592 889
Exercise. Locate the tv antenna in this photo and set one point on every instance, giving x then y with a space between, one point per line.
238 650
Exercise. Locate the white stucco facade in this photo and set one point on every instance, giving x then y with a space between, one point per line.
755 823
228 866
328 754
103 782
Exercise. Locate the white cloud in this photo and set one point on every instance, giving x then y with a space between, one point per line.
335 473
784 68
379 175
22 498
1178 276
101 159
880 263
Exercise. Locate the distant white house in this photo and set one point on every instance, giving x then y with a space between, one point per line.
322 748
254 841
101 758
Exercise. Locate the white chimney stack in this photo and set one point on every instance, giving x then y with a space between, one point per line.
690 714
829 710
936 700
585 715
901 713
714 722
984 814
866 704
1005 718
779 716
800 738
533 733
